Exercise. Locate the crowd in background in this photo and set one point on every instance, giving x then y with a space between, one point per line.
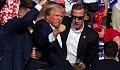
59 35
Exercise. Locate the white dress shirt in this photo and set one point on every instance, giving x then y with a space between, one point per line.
72 44
38 7
51 37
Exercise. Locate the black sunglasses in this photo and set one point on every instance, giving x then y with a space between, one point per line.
79 17
99 30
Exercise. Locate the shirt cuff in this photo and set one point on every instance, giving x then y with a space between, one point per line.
51 37
38 7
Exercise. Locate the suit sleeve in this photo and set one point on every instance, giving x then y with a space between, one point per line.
17 24
43 33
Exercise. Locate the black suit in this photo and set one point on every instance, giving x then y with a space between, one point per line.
88 43
16 43
106 64
43 29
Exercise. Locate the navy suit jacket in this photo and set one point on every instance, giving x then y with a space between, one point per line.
43 29
106 64
16 44
88 43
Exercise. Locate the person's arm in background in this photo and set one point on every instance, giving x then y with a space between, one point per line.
117 40
106 8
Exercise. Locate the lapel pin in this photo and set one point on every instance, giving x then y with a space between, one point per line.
84 37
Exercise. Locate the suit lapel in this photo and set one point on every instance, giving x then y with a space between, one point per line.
48 25
63 43
82 40
66 32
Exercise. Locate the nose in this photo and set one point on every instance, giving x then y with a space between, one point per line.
60 18
76 19
98 33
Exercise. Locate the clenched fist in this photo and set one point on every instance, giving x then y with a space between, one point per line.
60 29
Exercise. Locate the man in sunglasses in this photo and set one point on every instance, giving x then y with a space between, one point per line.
82 42
107 35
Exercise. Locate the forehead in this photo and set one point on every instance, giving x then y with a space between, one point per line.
78 12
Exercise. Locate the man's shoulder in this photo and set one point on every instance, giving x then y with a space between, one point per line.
40 22
107 61
90 33
105 64
89 30
12 21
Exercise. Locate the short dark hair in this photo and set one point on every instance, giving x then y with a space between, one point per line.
79 6
41 13
110 49
25 4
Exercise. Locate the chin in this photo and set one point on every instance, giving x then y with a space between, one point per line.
100 37
77 27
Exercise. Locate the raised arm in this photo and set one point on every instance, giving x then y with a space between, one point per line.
106 7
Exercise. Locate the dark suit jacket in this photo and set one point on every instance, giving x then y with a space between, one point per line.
16 45
88 43
43 29
59 64
106 64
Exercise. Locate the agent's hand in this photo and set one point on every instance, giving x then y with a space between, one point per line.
36 54
42 2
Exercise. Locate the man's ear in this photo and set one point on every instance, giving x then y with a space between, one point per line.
47 16
20 12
